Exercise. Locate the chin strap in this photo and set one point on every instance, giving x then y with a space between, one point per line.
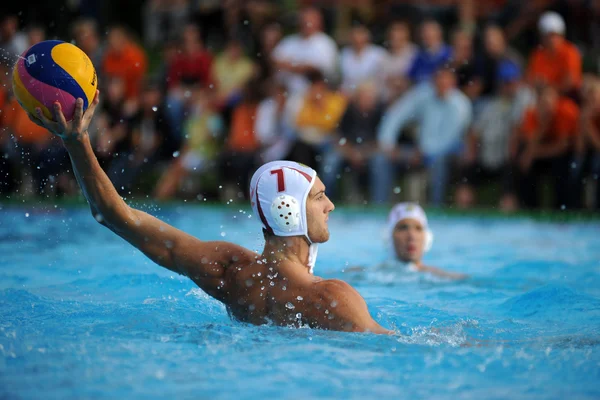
313 249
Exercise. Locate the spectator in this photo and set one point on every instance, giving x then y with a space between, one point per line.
433 53
310 50
114 125
270 35
192 66
357 142
545 144
495 51
44 158
402 53
200 151
231 71
163 20
557 62
12 42
443 114
239 157
85 33
463 62
360 61
35 34
316 117
589 146
273 125
488 142
148 131
126 60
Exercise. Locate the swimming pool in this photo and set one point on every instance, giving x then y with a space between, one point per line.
84 315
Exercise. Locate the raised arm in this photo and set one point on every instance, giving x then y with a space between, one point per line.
204 262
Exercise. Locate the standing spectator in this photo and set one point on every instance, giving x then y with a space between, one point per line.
463 62
148 130
12 42
43 158
200 150
231 71
163 20
241 146
360 61
273 126
192 66
193 63
402 53
589 140
356 132
35 34
317 114
557 62
114 125
486 153
126 60
443 114
269 38
310 50
433 53
495 51
85 33
548 134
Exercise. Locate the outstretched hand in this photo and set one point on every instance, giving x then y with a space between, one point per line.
60 127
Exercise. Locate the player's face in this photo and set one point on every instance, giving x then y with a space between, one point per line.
318 207
409 240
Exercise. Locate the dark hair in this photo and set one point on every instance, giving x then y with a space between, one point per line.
315 76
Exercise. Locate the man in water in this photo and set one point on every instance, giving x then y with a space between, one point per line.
411 238
276 286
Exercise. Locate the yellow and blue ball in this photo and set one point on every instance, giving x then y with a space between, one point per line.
54 71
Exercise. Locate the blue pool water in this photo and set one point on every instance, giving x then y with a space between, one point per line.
83 315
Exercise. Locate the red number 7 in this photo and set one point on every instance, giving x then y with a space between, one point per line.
280 181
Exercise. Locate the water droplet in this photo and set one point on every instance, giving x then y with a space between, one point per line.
299 316
289 306
397 189
223 234
26 215
334 304
300 298
176 154
342 141
155 109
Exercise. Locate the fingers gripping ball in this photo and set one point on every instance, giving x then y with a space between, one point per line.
286 212
52 71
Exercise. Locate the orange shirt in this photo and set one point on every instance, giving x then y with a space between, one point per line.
552 67
241 134
130 65
564 122
16 120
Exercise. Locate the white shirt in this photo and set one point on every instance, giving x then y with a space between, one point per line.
398 65
273 129
495 124
357 68
442 121
318 50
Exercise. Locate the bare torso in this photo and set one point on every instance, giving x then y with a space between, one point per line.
276 293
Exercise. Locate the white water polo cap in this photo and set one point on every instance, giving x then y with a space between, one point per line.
413 211
278 193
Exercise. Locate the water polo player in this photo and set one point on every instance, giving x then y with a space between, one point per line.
276 286
410 238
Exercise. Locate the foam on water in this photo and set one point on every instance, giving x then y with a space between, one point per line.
83 315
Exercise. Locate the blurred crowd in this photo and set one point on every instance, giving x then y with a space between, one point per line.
447 102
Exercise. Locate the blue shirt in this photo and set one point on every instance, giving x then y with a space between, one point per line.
442 122
426 63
